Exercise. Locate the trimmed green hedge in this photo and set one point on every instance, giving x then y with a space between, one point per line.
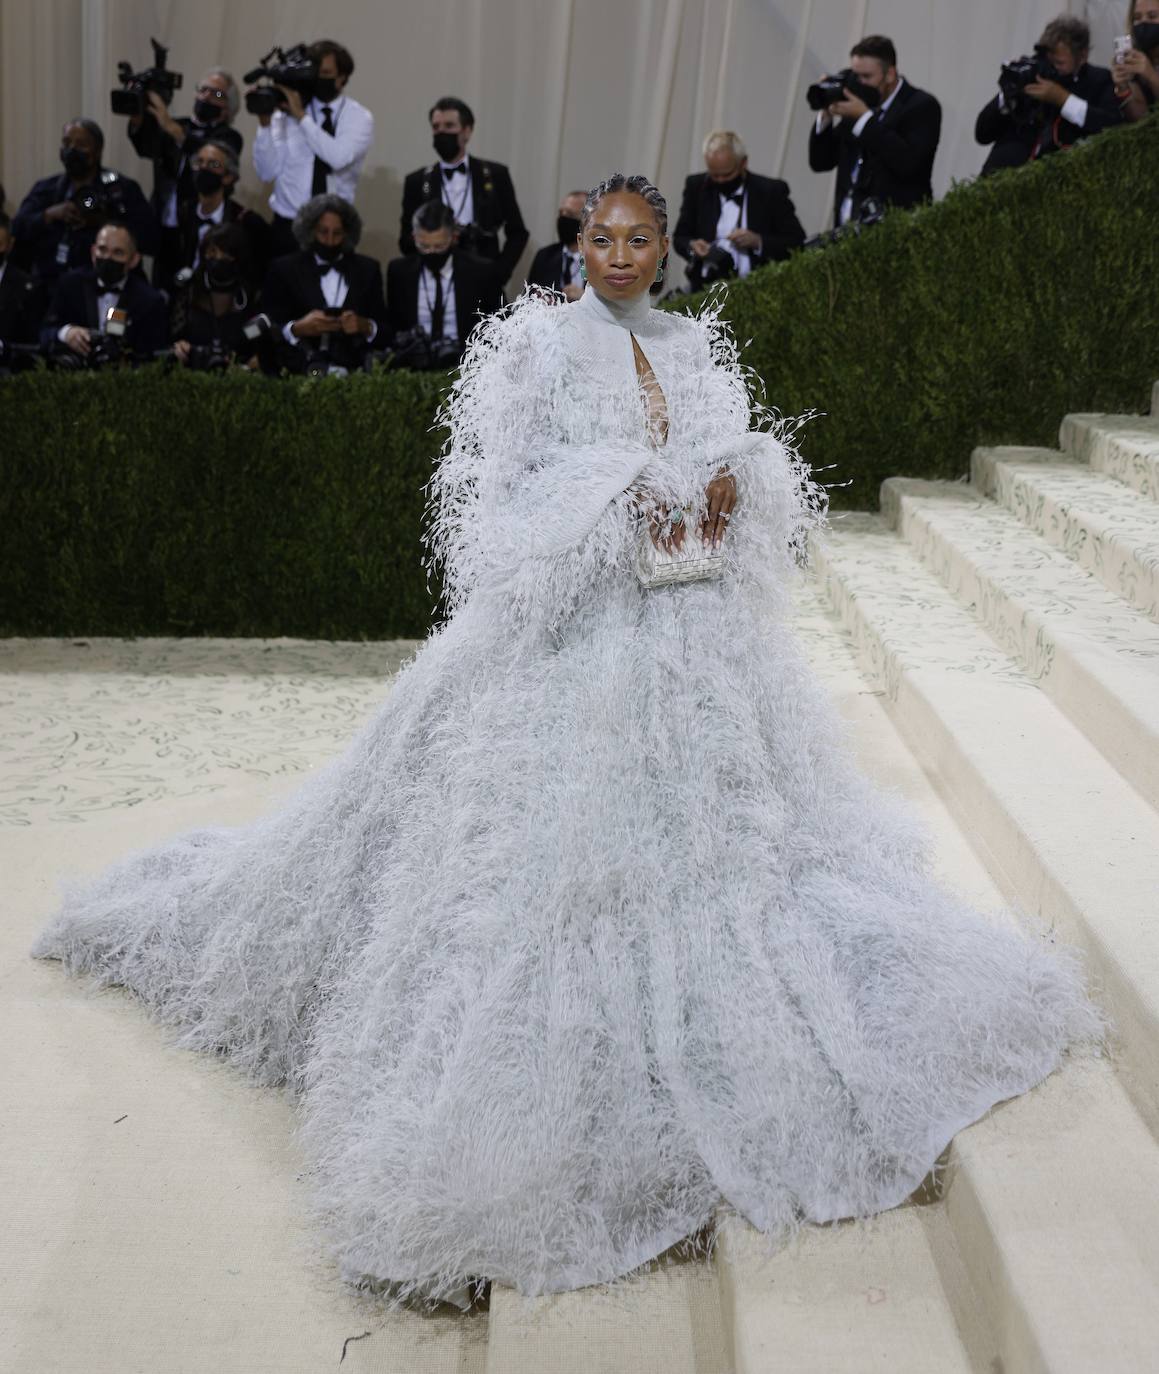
161 502
981 319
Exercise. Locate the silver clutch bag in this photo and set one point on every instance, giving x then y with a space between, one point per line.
662 568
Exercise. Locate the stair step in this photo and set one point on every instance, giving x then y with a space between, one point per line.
1030 1188
664 1320
1094 655
1109 530
1065 836
1125 447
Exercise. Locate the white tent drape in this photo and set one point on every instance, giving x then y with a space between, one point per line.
564 92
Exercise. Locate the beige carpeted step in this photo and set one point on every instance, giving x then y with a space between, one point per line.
1109 530
1125 447
1095 656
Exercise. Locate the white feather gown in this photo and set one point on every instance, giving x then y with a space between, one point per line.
595 926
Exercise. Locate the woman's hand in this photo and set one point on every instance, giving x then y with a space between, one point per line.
720 497
667 532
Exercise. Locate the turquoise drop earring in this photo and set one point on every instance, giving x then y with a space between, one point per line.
660 268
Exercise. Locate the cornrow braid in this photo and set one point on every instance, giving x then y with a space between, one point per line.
636 186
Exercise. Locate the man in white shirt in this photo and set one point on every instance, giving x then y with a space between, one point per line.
315 147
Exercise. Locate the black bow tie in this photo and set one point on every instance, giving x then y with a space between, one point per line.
737 199
324 267
459 167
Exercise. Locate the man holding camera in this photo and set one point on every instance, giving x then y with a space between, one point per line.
1048 102
58 219
435 295
326 299
315 144
108 309
880 133
172 144
479 192
732 220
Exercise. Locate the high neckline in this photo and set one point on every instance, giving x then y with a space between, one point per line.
630 315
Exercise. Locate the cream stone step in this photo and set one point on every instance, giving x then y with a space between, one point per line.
1125 447
1093 654
1065 836
1109 530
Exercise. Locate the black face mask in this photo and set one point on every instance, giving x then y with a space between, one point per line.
567 227
436 261
207 182
730 188
326 89
329 252
109 272
221 274
447 147
74 160
207 111
1145 37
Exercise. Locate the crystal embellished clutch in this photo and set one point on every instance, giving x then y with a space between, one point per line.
663 568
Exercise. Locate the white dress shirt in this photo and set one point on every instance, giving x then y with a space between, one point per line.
733 216
204 225
457 190
284 152
335 289
569 264
427 292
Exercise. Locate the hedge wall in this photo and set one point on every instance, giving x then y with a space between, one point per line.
161 502
983 318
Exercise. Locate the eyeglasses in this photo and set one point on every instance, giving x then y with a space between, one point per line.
212 93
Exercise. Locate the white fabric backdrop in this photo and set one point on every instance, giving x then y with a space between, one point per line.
564 92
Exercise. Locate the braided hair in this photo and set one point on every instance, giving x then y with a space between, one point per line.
635 186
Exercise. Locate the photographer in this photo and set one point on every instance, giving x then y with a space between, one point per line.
479 192
57 222
1048 102
556 265
21 305
315 144
435 295
214 172
171 144
1136 78
211 310
732 220
82 320
326 299
881 137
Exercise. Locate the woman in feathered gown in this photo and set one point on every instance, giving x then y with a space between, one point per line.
594 927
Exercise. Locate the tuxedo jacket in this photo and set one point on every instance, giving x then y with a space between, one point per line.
21 307
38 240
547 268
898 148
478 291
293 287
171 162
496 209
769 212
1014 141
75 301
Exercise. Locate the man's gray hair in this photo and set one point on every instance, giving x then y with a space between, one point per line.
306 220
432 216
725 138
226 155
232 94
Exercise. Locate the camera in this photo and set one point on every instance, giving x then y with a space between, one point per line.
1017 75
415 349
716 265
106 351
132 98
830 89
102 201
210 357
293 67
869 212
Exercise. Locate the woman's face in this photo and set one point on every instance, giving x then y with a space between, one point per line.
622 246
